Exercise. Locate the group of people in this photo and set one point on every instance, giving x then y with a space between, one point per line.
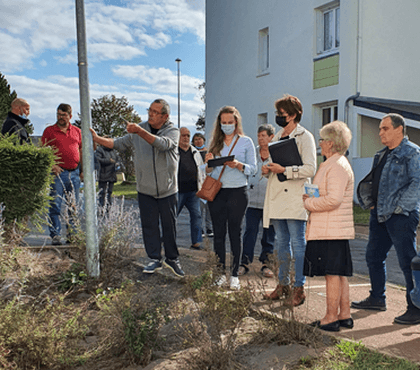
313 232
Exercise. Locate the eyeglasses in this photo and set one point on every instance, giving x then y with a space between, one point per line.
321 140
152 111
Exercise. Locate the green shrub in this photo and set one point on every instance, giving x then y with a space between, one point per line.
25 178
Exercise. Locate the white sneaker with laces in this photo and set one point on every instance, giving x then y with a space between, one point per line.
221 281
234 283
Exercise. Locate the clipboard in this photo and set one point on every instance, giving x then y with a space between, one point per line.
220 161
285 153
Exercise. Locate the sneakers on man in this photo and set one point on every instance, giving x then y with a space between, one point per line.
243 270
221 280
234 283
369 304
210 233
410 317
56 240
153 266
175 266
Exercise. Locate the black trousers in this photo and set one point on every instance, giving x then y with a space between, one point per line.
227 212
152 211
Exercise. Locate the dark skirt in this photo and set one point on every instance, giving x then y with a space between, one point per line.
328 257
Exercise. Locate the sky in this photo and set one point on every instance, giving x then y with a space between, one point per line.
132 46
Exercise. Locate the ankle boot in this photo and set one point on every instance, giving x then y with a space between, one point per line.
298 296
277 293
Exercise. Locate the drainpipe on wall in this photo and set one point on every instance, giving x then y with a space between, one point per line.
346 107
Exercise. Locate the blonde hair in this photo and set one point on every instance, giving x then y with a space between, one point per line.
339 134
218 136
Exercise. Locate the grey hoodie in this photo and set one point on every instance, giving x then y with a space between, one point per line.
156 165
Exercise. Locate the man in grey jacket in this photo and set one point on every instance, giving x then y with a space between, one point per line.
156 158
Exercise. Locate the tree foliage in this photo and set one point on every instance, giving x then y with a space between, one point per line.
201 121
106 115
6 98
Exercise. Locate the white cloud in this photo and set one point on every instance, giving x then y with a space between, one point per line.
30 27
162 79
44 95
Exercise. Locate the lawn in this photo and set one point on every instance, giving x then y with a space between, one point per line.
126 189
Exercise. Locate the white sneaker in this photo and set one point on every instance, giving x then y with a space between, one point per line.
221 281
234 283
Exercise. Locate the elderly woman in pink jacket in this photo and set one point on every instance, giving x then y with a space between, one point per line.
331 225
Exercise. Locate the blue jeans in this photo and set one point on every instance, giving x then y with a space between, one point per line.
253 217
64 184
290 243
192 203
400 231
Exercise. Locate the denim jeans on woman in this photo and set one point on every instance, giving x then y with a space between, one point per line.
290 244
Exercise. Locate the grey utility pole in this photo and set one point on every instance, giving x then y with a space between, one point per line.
178 61
92 248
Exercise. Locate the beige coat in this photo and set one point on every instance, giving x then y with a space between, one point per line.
331 215
283 200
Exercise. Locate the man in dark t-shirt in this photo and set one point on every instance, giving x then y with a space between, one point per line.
190 178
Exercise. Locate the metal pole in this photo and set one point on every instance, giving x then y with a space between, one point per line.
92 248
179 94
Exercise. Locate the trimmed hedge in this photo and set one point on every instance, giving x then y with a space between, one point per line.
25 178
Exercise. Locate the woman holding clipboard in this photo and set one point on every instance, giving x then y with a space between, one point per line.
283 205
227 210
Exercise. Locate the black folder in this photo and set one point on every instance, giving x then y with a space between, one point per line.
220 161
285 153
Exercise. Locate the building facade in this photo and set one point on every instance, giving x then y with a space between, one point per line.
352 60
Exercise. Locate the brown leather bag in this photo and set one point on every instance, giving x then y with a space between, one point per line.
210 186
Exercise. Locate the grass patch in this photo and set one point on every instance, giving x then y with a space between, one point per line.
351 355
360 215
126 189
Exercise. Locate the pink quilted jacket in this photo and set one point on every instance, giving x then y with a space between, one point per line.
331 215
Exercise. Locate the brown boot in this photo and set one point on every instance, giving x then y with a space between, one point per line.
298 296
277 293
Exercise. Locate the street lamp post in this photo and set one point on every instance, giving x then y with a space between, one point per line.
177 60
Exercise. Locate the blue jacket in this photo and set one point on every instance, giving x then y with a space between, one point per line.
399 185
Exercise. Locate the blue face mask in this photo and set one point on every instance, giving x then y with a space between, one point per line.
200 147
24 116
227 129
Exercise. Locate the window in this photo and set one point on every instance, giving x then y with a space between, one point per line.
329 114
262 119
263 51
328 28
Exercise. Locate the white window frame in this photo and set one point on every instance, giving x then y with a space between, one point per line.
334 10
262 119
263 51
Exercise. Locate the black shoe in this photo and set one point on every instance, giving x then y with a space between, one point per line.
153 266
347 323
196 247
175 266
369 304
410 317
332 326
209 233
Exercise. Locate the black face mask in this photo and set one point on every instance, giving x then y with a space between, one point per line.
281 121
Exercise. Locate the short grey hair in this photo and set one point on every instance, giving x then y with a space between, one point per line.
339 134
166 109
397 121
269 129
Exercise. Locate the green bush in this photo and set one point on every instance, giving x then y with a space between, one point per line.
25 178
